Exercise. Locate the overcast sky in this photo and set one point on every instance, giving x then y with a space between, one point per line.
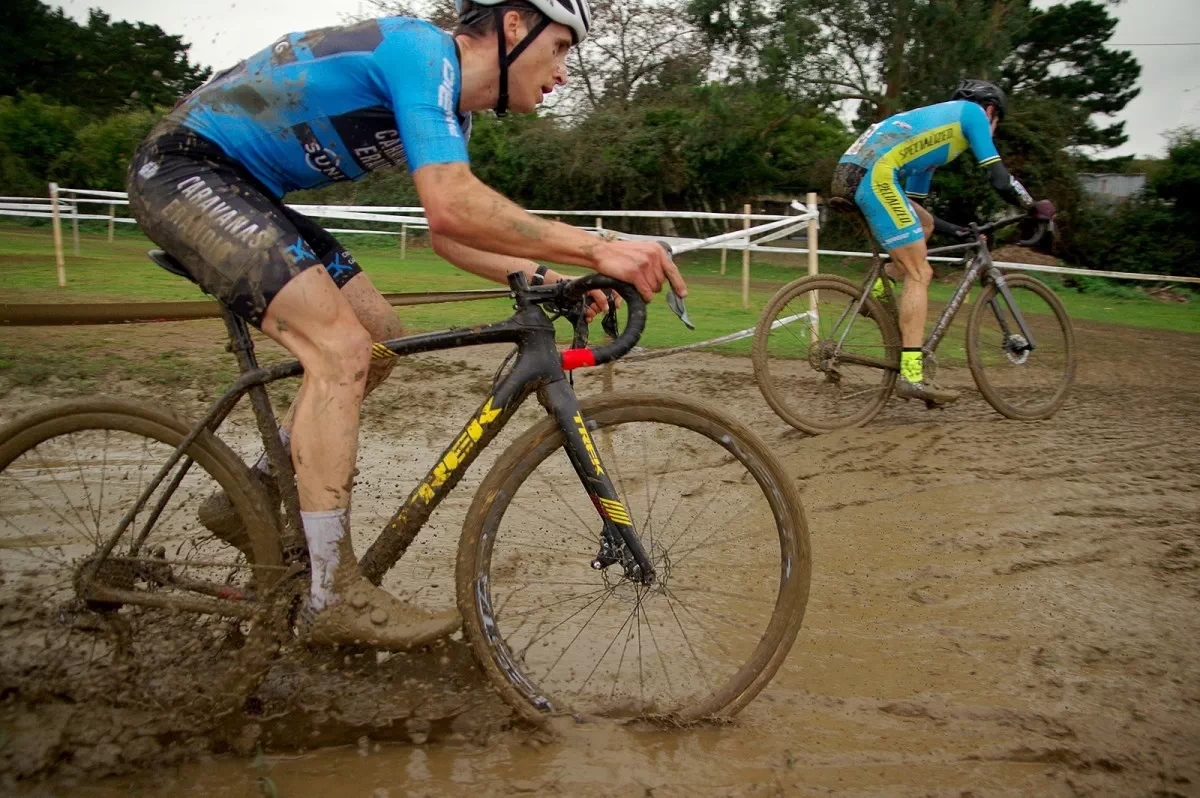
223 32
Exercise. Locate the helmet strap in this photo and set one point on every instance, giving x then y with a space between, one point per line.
507 58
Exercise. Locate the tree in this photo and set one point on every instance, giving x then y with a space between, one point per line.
1178 180
889 55
35 135
99 67
1062 55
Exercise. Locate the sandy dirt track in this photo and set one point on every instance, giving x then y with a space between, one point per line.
997 608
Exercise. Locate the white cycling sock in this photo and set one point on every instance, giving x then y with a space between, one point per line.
264 463
323 529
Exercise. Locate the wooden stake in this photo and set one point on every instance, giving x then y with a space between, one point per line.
56 225
811 200
724 257
403 241
112 214
746 262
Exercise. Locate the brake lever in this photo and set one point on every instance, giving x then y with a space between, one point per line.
609 323
676 304
674 301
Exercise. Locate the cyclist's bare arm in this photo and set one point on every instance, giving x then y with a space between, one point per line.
495 267
459 206
488 265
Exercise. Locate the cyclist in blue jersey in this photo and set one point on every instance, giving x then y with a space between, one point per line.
329 105
907 148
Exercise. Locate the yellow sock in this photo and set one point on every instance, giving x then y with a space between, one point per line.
877 290
911 365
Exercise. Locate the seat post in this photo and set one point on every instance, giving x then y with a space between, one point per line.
240 342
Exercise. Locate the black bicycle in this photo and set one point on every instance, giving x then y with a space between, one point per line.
592 568
827 353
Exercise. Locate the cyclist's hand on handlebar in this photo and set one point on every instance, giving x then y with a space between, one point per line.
644 264
597 303
1042 210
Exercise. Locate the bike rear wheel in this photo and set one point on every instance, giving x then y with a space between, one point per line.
174 618
833 373
1020 383
718 517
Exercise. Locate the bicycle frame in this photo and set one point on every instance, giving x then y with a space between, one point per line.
538 368
978 264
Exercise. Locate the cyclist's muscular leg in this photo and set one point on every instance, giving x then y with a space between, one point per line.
313 321
380 320
316 322
911 263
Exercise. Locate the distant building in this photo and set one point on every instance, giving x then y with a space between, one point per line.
1112 187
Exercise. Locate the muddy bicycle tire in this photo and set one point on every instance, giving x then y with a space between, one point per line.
816 406
718 452
108 659
1022 402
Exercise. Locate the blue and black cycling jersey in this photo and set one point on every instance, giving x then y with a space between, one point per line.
328 105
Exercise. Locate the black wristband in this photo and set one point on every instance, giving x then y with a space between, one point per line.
539 275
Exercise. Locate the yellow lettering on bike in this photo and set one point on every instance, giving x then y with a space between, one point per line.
458 452
487 415
587 443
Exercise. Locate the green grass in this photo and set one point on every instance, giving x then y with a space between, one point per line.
121 272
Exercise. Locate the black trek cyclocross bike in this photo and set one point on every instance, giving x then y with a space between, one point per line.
827 353
592 572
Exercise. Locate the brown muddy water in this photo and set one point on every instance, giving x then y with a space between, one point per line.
997 608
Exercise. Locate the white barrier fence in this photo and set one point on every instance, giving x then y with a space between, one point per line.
751 238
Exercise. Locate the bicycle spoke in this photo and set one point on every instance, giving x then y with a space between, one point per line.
83 482
67 499
607 648
562 653
582 524
688 640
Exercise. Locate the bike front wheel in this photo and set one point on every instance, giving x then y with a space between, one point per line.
1022 379
820 365
171 618
717 516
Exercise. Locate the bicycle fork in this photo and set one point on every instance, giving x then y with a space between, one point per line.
619 542
1002 289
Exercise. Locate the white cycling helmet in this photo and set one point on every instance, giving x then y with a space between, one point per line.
575 14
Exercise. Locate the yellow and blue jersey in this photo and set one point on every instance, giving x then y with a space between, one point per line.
329 105
907 148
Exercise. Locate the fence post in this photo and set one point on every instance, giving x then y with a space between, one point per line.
75 222
813 246
746 262
403 241
724 257
112 215
599 226
56 225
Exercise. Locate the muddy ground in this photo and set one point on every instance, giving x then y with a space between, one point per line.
998 608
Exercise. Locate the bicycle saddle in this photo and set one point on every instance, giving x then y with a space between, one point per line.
168 262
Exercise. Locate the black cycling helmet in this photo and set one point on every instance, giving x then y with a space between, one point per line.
983 93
